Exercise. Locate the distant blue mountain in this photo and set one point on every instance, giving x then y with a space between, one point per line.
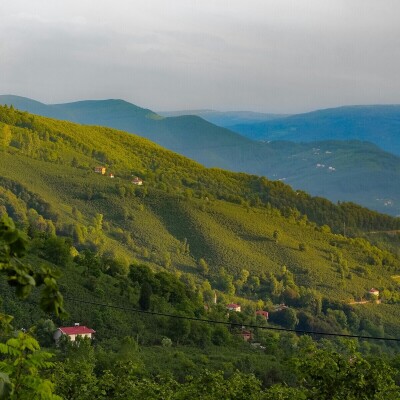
379 124
225 118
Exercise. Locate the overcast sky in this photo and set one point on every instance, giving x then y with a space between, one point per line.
262 55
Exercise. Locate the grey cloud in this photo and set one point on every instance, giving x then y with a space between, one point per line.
286 56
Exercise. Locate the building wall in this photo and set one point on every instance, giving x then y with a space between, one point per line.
58 334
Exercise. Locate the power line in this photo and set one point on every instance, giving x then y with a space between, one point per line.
231 324
241 325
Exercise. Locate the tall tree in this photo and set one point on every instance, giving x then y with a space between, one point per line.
145 296
5 137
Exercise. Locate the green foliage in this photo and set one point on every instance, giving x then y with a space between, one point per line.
13 246
287 318
145 296
330 375
225 218
57 250
302 246
74 377
20 370
5 137
203 267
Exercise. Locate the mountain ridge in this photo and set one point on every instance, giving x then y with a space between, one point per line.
301 165
379 124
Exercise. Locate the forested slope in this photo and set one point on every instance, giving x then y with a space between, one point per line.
170 245
337 169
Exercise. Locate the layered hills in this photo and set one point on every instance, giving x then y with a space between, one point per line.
249 238
379 124
339 170
225 119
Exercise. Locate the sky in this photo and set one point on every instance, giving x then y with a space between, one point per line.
278 56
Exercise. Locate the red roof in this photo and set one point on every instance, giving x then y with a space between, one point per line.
76 330
263 313
233 305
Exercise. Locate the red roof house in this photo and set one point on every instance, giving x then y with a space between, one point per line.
73 331
246 335
262 313
374 292
234 307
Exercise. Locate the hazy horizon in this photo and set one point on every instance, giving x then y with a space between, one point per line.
287 56
206 109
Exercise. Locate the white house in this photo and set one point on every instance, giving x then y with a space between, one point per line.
234 307
100 170
137 181
374 292
73 331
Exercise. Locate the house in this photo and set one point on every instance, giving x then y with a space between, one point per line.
246 335
280 307
73 331
137 181
234 307
374 292
262 313
111 176
100 170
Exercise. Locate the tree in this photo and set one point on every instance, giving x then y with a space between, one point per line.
280 392
213 385
203 267
22 276
20 370
57 250
114 266
286 318
75 378
302 246
276 236
5 137
330 375
145 296
22 361
44 332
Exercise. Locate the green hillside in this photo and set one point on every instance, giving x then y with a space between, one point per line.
169 245
184 212
338 170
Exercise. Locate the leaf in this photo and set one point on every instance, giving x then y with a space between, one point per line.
5 386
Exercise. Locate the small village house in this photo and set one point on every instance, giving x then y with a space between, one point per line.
262 313
73 332
246 335
137 181
280 307
100 170
374 292
234 307
111 175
